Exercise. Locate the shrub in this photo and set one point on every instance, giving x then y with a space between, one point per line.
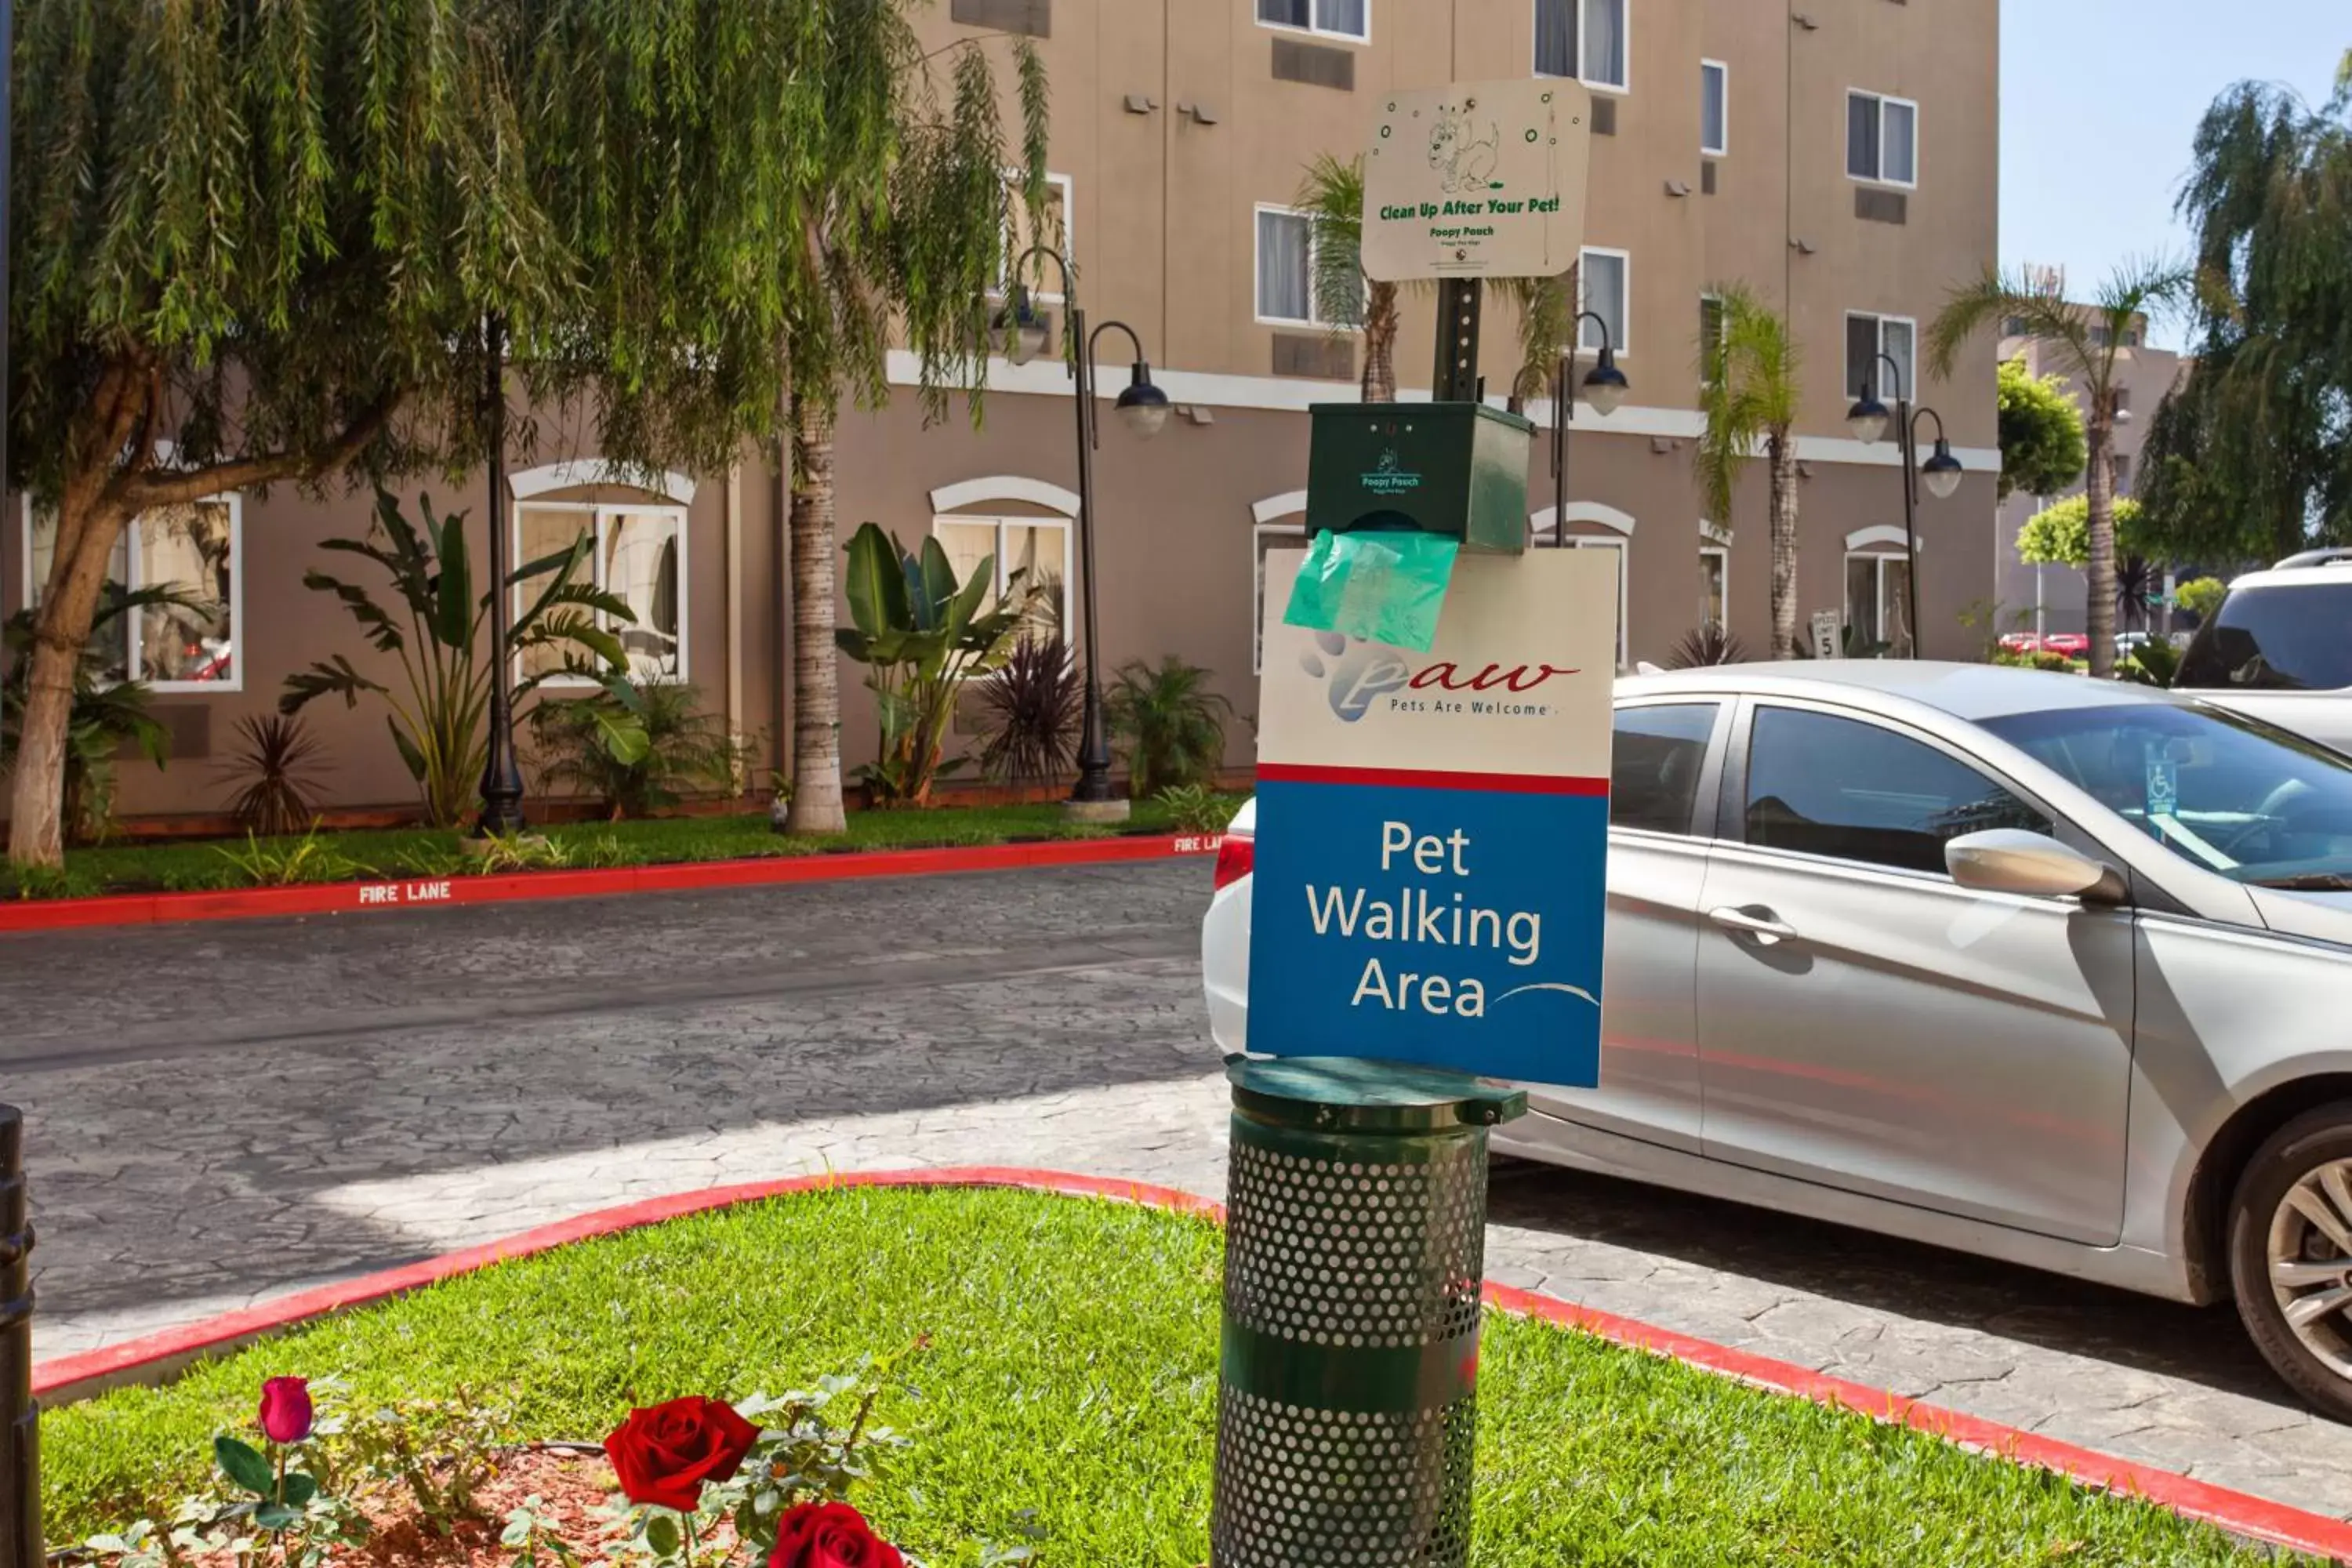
275 770
1703 646
686 750
2153 663
107 714
1170 726
1032 709
1195 808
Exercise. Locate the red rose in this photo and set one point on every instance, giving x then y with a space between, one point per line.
286 1409
663 1454
830 1535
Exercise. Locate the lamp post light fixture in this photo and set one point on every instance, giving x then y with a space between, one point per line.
501 786
1605 387
1868 419
1144 408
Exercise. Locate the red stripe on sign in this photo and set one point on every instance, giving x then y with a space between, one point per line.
1431 778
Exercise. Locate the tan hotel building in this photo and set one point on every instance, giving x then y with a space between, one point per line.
1838 156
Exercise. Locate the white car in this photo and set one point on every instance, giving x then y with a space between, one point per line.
2280 647
2043 969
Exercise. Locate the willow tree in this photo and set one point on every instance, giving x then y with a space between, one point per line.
2252 457
257 242
1751 392
900 227
2089 341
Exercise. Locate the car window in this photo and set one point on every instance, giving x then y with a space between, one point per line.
1654 777
2219 789
1840 787
2295 637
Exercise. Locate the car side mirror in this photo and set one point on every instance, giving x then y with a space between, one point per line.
2009 860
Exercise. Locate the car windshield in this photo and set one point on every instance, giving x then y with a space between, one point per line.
2227 792
2286 638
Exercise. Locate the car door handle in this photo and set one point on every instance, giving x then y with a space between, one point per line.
1762 927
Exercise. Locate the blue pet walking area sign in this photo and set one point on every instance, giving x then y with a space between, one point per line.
1433 829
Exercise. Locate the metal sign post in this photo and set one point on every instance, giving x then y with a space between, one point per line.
20 1417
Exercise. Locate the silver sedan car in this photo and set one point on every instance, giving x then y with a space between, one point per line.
2056 971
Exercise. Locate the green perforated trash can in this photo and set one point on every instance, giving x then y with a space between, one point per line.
1355 1244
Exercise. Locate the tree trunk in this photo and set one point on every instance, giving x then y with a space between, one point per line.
1783 449
1379 342
816 671
86 530
2100 617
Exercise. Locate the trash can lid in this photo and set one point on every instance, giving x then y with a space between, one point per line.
1346 1094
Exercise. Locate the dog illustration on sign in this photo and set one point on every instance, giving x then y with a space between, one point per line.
1465 162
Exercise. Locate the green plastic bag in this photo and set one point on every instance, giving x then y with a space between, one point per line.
1382 587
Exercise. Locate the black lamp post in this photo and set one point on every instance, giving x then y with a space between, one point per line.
1145 409
1868 419
1605 387
501 777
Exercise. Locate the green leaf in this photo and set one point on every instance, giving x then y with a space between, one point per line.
241 1463
453 621
965 603
661 1534
877 583
276 1516
939 573
408 752
299 1488
622 736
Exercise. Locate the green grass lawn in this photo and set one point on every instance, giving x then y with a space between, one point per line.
1072 1378
409 852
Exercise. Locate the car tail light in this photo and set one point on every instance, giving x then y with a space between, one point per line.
1235 858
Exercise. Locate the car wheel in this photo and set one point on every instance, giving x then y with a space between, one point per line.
2291 1255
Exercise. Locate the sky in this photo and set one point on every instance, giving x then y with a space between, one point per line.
2099 103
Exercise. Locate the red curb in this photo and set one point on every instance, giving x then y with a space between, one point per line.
68 1377
366 898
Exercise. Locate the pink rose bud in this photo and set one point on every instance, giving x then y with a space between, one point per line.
286 1409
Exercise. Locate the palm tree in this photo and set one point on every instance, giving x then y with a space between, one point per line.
1331 196
2089 341
1547 315
1752 389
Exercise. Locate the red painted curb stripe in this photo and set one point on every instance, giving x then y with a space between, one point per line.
1431 778
368 898
2238 1512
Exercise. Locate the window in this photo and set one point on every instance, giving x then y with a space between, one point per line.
1714 107
1882 139
2221 791
2013 328
2123 399
1654 772
1713 580
2131 338
1867 337
1337 18
1060 219
1877 600
196 551
1584 39
1602 288
1037 549
1618 545
2102 337
1823 785
1285 272
638 558
2123 474
2278 638
1266 538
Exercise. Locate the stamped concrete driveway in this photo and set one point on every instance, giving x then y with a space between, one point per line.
222 1114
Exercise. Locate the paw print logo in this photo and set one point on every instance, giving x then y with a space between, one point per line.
1355 673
